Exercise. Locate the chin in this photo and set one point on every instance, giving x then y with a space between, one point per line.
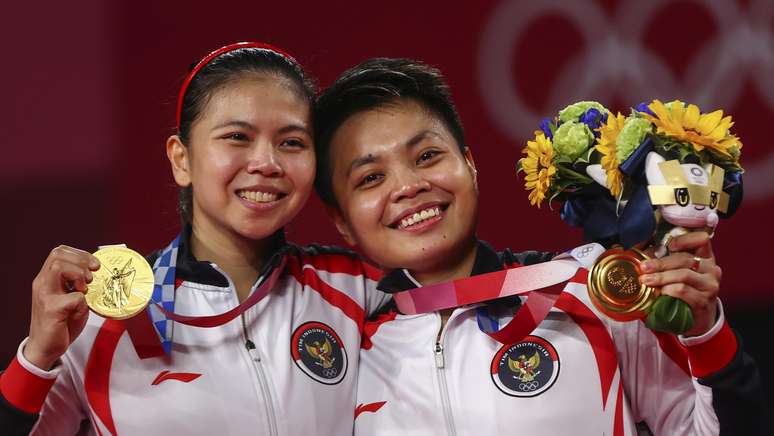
258 231
416 257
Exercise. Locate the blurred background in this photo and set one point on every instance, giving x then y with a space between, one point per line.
90 92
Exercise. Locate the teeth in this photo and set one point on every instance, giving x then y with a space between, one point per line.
418 217
259 197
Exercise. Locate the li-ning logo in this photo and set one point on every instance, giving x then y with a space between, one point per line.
318 351
525 369
185 377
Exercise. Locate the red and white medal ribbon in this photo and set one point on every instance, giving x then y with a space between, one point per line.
544 281
146 341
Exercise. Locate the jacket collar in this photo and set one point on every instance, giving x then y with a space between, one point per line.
191 269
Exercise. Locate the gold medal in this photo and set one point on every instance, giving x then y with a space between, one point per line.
123 284
615 288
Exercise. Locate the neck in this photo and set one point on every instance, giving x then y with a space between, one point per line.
239 257
460 266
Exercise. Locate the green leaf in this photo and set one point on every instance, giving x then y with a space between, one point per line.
669 314
585 158
572 175
561 159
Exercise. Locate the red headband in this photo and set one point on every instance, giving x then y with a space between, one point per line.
202 63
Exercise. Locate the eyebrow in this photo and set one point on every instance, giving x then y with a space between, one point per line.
371 158
235 123
363 160
295 128
248 126
421 136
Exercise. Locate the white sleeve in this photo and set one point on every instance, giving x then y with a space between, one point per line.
62 412
660 375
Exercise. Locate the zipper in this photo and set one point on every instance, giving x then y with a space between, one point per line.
266 393
441 374
255 358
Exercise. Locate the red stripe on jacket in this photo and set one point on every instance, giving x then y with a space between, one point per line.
308 277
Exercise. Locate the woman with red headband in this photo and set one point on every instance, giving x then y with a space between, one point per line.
246 333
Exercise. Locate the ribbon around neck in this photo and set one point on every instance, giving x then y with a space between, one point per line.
150 341
545 281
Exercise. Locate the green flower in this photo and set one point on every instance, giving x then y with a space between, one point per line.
735 152
571 139
575 110
631 136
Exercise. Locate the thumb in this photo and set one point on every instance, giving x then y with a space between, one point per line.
705 251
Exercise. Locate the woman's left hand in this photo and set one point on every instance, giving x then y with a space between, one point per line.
690 274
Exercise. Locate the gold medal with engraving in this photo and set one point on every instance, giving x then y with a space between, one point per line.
615 288
122 286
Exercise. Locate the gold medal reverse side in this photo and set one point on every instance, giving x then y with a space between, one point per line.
615 288
123 285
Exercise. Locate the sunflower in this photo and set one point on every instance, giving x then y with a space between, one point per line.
688 124
539 167
607 146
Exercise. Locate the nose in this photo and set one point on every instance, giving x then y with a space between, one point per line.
263 160
409 185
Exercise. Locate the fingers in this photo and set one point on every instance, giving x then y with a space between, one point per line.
680 261
692 241
65 270
54 310
699 301
703 282
75 303
705 251
75 256
72 304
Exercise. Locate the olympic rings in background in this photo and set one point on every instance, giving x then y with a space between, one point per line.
742 50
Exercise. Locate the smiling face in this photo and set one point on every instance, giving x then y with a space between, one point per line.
250 159
406 193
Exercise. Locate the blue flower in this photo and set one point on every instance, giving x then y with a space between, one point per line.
643 107
593 118
545 126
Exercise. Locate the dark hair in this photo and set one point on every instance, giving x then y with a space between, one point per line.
229 67
375 83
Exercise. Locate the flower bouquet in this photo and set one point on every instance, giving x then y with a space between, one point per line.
636 181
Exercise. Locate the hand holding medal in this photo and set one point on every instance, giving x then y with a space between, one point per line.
59 309
115 282
645 181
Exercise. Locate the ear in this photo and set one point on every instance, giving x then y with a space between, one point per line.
652 170
341 224
471 165
177 153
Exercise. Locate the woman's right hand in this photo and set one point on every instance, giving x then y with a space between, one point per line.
59 310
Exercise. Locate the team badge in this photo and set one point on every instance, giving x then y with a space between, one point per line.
527 368
319 352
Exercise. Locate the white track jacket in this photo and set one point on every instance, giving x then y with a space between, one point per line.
578 373
287 366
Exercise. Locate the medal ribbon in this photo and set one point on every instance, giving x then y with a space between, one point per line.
153 342
544 281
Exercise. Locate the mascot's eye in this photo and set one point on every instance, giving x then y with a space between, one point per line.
713 200
681 196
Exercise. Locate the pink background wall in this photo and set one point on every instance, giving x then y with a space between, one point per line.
89 95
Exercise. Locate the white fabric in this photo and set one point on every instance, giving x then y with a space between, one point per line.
400 368
239 391
29 366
